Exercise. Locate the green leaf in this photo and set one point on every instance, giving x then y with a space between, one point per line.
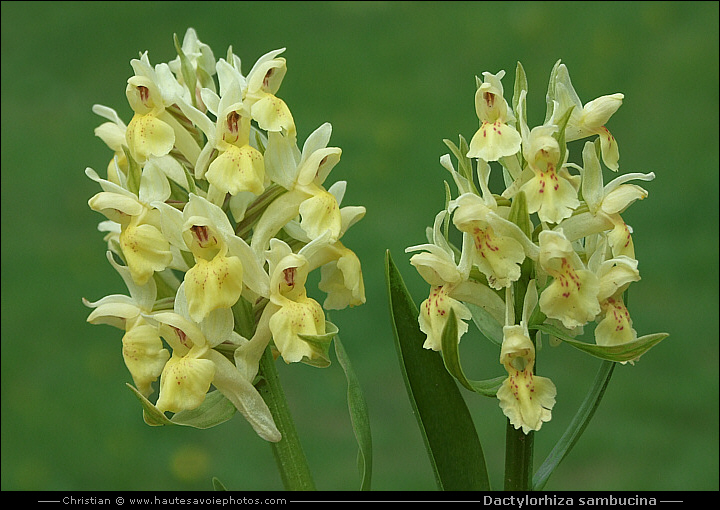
187 70
358 416
486 323
624 352
445 423
218 485
214 410
322 344
519 214
520 85
451 357
151 414
464 163
560 134
244 317
576 427
134 172
191 187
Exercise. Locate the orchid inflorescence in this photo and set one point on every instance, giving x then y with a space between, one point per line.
215 218
550 253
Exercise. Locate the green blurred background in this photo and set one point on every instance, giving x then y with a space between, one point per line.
394 79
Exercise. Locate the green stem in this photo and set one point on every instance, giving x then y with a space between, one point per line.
518 459
288 452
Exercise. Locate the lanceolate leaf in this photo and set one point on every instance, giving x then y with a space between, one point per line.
451 356
445 423
624 352
358 416
576 427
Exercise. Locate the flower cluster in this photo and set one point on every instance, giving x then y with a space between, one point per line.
550 249
215 218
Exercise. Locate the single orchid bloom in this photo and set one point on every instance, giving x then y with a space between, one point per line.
605 205
450 285
292 314
263 82
550 192
195 365
224 263
589 119
303 175
615 276
499 245
142 348
153 132
143 245
239 167
572 295
495 138
341 273
525 398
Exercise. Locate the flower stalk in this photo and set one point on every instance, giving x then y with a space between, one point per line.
289 455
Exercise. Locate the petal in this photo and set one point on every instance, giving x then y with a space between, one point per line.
621 197
436 267
114 310
305 317
620 238
213 284
281 159
571 297
316 140
184 382
319 214
592 181
238 169
214 215
498 257
154 185
343 282
116 207
434 313
267 73
272 114
609 148
255 276
616 327
182 334
145 250
144 355
551 196
597 112
494 141
279 212
527 400
317 166
149 136
616 275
